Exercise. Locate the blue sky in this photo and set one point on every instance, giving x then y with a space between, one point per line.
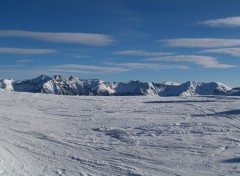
113 40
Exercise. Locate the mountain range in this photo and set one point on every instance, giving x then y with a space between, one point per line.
74 86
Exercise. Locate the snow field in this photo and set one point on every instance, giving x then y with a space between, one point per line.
72 135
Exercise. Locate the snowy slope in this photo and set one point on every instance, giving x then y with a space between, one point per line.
34 85
49 135
198 88
74 86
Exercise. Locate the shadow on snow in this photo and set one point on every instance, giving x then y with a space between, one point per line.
180 101
232 160
223 113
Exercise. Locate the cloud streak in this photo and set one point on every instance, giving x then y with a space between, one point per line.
231 51
75 55
77 38
107 68
26 51
11 66
205 61
59 69
222 22
96 69
24 61
140 53
201 42
150 66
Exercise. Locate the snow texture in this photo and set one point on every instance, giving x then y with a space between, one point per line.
54 135
74 86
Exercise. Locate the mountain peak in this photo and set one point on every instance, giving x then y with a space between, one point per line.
59 77
74 86
41 78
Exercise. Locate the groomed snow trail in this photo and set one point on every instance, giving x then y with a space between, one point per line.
135 136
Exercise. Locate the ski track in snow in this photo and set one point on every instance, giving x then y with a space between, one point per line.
135 136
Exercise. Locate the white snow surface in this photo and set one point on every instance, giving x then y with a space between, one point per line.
54 135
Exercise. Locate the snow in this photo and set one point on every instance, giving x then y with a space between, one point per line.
83 135
168 83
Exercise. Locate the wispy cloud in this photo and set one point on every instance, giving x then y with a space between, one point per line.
75 55
60 69
92 68
24 61
205 61
229 22
108 68
231 51
11 66
140 53
201 42
78 38
26 51
150 66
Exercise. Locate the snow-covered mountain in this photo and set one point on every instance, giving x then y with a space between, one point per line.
75 86
6 84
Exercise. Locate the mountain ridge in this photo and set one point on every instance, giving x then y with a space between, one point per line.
62 85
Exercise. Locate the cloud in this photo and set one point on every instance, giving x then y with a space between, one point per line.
150 66
92 68
229 21
78 38
39 71
69 68
109 68
11 66
201 42
75 55
205 61
139 53
231 51
26 51
24 61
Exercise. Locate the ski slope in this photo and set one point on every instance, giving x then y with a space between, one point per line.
80 135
